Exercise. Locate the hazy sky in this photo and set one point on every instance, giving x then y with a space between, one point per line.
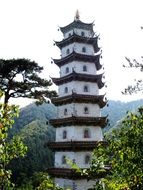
28 28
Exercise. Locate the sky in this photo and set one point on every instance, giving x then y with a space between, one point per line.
28 29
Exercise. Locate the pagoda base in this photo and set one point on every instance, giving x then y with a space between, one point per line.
82 184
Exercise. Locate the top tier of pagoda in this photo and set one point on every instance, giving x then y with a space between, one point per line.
78 32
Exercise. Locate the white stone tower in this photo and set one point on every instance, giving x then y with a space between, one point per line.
79 122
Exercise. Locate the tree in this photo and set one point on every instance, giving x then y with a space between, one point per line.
9 149
42 181
138 85
20 78
124 155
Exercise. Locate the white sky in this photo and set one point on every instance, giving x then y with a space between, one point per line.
28 28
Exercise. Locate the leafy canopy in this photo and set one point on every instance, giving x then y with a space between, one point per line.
9 149
124 155
20 78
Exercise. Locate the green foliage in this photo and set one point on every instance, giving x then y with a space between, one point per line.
9 149
32 127
42 181
124 155
39 181
20 78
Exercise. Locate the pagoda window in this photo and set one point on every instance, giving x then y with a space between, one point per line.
64 159
86 110
84 68
66 90
65 111
64 134
67 51
86 88
74 161
87 159
82 34
86 133
67 70
84 49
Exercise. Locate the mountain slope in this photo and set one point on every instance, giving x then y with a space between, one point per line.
33 129
117 110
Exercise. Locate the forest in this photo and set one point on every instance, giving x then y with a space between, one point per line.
32 126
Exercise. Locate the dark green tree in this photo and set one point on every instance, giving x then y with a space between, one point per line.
123 154
9 149
20 78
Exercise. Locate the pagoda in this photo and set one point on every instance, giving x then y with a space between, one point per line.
79 122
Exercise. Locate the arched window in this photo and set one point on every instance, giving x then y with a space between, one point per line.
84 68
64 159
67 51
65 111
74 161
66 90
67 70
85 88
86 110
83 49
86 133
64 134
69 34
82 34
87 159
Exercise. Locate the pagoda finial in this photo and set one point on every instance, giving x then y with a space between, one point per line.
77 16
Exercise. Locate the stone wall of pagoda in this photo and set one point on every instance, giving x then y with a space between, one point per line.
78 157
79 123
79 88
74 108
78 67
76 133
79 32
78 48
79 183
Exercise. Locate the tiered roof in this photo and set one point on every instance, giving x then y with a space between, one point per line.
80 39
74 145
75 120
79 98
77 24
82 121
79 77
69 173
74 56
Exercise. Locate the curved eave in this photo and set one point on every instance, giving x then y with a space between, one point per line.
77 24
79 57
79 98
79 77
74 120
68 173
79 39
74 145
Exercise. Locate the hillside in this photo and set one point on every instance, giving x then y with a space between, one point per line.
117 110
31 113
32 126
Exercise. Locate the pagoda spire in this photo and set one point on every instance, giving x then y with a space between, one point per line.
77 16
